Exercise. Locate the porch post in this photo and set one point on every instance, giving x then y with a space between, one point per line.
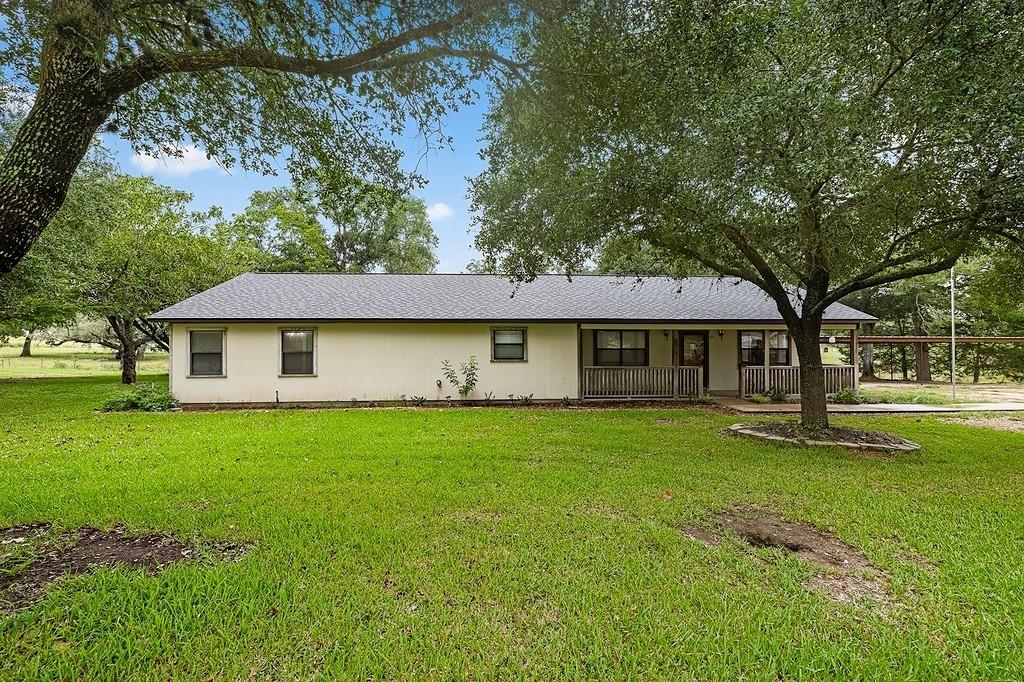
579 361
855 357
767 336
676 372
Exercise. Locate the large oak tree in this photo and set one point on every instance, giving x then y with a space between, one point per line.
813 148
326 82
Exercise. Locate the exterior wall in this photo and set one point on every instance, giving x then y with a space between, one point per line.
376 361
723 361
383 361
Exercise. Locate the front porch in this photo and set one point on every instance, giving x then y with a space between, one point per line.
754 380
685 361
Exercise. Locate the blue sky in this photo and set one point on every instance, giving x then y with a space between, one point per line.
446 172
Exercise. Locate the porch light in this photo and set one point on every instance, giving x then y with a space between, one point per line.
721 333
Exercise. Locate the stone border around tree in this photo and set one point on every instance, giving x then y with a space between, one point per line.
751 431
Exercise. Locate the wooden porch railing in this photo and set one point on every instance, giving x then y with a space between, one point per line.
642 382
752 379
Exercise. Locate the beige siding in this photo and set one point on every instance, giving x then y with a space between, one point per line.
383 361
376 361
723 361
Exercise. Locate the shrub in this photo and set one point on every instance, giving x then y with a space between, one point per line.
847 396
142 397
469 370
772 395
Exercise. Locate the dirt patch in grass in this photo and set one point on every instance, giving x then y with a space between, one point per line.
1000 423
32 557
847 575
853 439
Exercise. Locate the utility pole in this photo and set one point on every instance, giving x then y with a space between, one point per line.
952 328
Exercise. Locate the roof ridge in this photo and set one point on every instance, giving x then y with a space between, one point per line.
479 274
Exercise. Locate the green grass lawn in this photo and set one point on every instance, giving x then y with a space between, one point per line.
504 543
911 397
69 360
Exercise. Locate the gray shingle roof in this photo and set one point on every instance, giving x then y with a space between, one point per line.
328 296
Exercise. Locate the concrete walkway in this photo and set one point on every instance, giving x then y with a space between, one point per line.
748 407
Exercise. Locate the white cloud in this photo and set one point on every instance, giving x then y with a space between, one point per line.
191 160
439 211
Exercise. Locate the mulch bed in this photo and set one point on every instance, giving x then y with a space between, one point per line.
849 576
23 579
536 404
853 439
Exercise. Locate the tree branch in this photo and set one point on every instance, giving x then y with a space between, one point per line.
153 333
769 282
151 66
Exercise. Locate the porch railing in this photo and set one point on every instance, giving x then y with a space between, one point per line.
752 379
642 382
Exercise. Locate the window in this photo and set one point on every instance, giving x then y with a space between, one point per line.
751 348
206 353
297 352
778 348
620 348
508 345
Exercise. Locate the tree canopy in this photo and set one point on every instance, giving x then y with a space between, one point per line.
287 230
826 145
326 83
124 248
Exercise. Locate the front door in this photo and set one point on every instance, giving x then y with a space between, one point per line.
693 351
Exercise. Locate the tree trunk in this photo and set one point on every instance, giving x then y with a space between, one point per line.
904 364
922 361
122 330
128 367
26 347
70 106
813 402
977 364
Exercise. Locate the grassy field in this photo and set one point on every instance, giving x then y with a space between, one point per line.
69 360
942 393
503 543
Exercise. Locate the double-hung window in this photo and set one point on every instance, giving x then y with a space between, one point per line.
620 348
206 353
297 348
508 345
778 348
751 348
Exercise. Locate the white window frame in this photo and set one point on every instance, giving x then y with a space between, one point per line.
280 352
223 352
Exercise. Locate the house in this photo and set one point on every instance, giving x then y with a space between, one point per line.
299 337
